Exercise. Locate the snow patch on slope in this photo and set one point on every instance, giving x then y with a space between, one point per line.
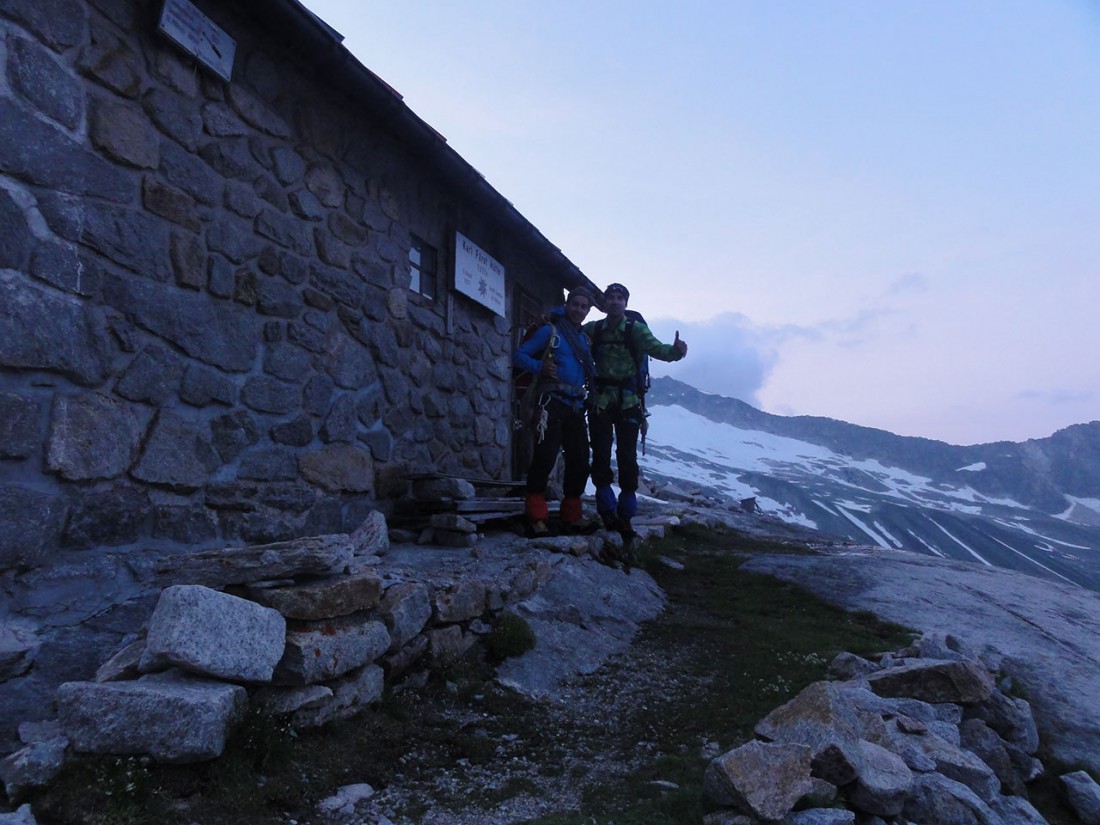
689 446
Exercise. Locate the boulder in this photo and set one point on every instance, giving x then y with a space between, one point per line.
371 538
882 782
849 666
398 661
452 522
19 645
762 779
1011 718
821 714
886 707
983 742
214 634
446 645
820 816
173 717
458 602
278 701
434 488
932 680
1015 810
325 599
20 816
945 758
123 664
1083 795
350 694
319 651
406 608
940 645
935 798
38 762
315 556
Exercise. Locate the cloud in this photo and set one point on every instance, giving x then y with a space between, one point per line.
733 356
909 282
727 355
1057 396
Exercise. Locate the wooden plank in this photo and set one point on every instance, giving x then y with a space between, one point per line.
470 505
480 518
477 482
473 505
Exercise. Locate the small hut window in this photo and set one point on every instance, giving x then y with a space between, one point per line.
422 268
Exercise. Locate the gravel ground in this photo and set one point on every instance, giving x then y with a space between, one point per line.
595 730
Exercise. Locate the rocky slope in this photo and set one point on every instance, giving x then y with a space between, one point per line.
1045 634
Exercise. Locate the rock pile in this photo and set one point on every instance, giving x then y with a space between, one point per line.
922 735
309 630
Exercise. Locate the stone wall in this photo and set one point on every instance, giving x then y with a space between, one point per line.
206 331
207 337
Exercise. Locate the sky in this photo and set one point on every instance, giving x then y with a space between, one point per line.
886 213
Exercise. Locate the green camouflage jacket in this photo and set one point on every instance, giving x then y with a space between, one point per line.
614 361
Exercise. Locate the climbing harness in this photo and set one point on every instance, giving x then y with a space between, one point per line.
531 405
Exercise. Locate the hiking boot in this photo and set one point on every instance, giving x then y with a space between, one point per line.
630 561
537 529
609 558
610 521
626 530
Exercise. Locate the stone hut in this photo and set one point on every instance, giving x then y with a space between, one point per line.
245 293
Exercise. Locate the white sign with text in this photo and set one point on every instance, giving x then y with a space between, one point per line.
198 35
478 274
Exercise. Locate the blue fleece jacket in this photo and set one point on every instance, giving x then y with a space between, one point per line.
569 385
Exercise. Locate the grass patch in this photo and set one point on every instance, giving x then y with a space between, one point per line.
745 643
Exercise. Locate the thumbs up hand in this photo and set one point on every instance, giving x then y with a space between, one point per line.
680 346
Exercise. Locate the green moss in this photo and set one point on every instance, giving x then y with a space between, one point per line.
512 636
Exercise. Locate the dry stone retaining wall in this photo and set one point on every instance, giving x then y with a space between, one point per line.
315 644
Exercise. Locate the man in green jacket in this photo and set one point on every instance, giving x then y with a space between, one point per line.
615 414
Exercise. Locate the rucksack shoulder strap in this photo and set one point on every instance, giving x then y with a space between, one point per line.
631 344
597 336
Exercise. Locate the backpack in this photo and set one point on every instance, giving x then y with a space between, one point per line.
641 362
524 396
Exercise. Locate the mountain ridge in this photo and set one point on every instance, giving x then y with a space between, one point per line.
1032 506
1067 461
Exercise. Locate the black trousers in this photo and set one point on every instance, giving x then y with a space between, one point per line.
618 426
565 432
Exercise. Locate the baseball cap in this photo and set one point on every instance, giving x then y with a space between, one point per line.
617 288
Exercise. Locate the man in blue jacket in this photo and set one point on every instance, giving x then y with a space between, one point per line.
558 355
